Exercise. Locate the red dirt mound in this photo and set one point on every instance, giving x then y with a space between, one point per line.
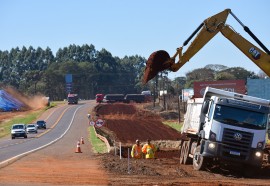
126 128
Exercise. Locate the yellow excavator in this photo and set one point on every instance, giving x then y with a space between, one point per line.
160 60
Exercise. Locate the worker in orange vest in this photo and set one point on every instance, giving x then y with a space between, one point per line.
149 150
136 151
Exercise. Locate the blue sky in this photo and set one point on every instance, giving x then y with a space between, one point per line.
132 27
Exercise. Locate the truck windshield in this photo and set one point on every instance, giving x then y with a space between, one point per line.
240 117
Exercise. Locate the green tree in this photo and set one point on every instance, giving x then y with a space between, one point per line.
200 74
224 76
240 73
178 84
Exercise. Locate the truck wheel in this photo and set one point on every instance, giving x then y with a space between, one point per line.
187 160
199 162
182 153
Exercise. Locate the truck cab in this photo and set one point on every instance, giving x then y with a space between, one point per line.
72 98
99 98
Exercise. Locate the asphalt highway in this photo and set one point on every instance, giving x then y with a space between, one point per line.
59 121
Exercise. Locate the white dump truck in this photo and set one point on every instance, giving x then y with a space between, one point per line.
224 127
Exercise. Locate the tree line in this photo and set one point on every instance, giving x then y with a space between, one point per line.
33 71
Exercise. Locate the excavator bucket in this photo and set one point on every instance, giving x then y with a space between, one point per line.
157 62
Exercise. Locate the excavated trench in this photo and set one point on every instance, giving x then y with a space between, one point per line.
125 123
162 153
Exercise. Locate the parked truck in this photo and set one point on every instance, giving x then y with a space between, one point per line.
224 126
137 98
112 98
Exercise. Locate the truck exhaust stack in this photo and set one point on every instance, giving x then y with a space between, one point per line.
157 62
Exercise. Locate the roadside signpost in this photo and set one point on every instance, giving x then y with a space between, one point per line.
92 123
99 123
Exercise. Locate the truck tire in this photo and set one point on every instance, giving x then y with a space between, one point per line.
199 162
182 153
185 147
187 160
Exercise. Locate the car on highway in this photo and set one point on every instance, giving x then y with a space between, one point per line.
18 130
31 128
41 124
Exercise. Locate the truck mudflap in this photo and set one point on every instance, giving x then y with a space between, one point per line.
224 152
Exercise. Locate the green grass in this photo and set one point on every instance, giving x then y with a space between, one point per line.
177 126
30 118
98 145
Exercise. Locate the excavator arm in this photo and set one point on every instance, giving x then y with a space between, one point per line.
208 29
255 54
160 60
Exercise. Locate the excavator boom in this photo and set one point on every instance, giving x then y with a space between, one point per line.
255 54
160 60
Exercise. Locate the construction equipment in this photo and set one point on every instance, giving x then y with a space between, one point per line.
225 128
160 60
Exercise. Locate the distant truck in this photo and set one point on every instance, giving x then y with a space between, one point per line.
99 98
137 98
147 95
112 98
72 98
224 126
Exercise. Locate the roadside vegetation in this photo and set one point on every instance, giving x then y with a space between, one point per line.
174 124
98 146
23 118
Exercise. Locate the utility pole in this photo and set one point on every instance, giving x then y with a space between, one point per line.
164 102
155 90
179 110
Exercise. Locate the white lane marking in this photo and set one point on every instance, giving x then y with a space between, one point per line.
13 159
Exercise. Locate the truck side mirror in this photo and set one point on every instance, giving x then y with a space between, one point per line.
205 106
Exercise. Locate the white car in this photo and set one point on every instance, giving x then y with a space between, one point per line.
18 130
31 128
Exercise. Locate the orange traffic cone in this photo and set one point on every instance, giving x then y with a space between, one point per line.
82 141
78 149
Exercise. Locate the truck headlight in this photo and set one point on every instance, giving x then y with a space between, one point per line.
211 146
258 154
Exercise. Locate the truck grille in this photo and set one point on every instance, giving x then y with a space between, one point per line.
236 149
